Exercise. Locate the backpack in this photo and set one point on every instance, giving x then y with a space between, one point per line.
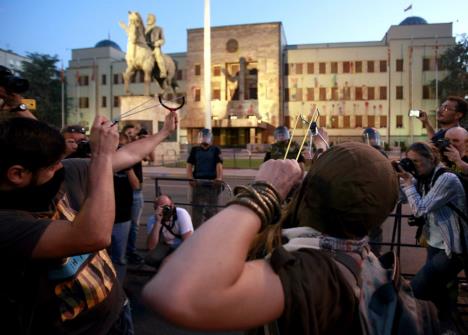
386 302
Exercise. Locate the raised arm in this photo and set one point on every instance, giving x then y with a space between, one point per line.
136 151
92 227
427 124
206 284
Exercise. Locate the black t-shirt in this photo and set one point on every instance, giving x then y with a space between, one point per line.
204 161
77 295
318 299
123 194
138 169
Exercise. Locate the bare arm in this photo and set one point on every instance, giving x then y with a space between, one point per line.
425 121
136 151
92 227
133 179
223 291
189 171
153 237
219 171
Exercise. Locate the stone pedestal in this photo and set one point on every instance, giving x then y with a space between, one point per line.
150 115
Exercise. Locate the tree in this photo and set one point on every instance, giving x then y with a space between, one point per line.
45 86
455 61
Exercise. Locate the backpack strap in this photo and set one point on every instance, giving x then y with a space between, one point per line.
351 264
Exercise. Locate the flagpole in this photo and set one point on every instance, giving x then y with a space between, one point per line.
62 79
207 64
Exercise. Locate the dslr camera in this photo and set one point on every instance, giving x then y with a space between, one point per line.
12 83
406 164
442 144
167 212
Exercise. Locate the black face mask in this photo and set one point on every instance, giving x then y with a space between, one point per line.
33 198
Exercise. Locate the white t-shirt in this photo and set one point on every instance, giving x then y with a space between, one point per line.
182 225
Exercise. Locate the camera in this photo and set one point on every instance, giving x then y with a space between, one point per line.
407 165
167 212
11 82
414 112
442 144
83 150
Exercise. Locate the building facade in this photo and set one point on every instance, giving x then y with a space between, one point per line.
259 82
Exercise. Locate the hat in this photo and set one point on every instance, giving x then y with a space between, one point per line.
350 189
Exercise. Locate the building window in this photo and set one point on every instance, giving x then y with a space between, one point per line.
334 121
426 64
358 93
334 91
299 94
323 94
358 121
197 94
323 120
383 121
383 66
428 92
216 71
383 92
180 75
399 121
346 121
399 65
370 66
197 69
358 67
347 93
116 78
310 94
322 68
334 67
252 91
371 121
84 102
104 101
346 67
299 68
370 93
399 93
116 101
216 95
84 80
310 68
103 79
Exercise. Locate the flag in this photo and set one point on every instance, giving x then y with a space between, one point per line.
408 8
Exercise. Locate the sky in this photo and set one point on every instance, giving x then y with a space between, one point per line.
55 27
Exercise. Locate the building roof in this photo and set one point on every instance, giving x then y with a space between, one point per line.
412 20
107 43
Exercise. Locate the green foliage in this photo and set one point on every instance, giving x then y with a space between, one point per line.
455 61
45 86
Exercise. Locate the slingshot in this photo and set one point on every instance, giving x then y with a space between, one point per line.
311 127
137 109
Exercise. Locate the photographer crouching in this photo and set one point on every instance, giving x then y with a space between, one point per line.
167 229
430 190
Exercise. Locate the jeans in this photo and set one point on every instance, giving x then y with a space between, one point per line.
124 325
118 247
204 202
137 209
437 280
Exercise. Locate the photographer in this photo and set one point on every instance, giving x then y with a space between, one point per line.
448 115
76 142
11 88
453 147
167 229
429 195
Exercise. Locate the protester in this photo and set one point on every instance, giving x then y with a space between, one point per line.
429 195
11 101
167 228
56 220
348 190
448 115
76 142
205 166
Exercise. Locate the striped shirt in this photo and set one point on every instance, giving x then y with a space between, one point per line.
441 230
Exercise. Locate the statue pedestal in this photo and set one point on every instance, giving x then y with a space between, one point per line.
151 118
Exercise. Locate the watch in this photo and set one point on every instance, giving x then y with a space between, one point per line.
19 108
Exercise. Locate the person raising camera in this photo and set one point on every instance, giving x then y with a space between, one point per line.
11 101
167 229
429 193
453 149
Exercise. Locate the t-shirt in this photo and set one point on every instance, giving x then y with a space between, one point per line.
318 299
76 295
123 194
182 225
204 161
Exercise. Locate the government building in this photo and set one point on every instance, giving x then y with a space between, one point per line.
259 82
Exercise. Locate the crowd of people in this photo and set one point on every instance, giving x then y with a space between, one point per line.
289 254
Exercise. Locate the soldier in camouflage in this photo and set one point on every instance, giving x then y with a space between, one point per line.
278 149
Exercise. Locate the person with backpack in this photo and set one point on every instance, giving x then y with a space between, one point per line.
435 194
235 273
